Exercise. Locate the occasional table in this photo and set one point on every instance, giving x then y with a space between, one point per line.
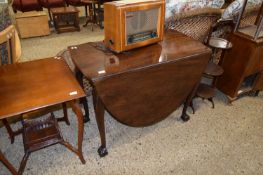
34 85
143 86
92 12
66 19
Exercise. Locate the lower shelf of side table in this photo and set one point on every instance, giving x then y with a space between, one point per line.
40 133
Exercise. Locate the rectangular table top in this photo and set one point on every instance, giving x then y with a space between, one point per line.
36 84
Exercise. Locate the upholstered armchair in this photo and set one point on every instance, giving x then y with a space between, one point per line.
195 18
250 14
195 23
26 5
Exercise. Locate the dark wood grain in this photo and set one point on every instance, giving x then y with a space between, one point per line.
142 86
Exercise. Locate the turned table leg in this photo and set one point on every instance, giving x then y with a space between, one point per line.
99 112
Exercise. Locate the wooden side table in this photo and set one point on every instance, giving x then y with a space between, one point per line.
212 71
66 19
40 84
92 18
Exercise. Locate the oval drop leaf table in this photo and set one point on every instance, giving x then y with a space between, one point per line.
143 86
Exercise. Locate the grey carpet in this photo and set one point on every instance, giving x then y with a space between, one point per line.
222 141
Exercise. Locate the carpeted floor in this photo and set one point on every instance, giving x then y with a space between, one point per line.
222 141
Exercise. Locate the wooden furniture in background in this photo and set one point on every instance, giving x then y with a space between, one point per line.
208 91
219 45
92 13
31 93
66 19
52 4
100 12
32 24
26 5
129 25
158 79
213 70
78 3
243 64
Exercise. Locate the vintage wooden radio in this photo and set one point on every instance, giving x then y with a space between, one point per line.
133 23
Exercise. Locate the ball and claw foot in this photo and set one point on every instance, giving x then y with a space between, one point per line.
185 117
102 151
86 118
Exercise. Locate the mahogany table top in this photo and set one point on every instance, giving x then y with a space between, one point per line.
36 84
96 64
143 86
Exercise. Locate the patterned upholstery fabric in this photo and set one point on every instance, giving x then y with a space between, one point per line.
195 23
175 6
236 6
5 20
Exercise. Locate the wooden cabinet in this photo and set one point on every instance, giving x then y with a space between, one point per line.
243 64
32 24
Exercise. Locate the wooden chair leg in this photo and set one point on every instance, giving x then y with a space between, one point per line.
49 13
8 165
257 93
86 11
192 106
23 163
9 130
211 100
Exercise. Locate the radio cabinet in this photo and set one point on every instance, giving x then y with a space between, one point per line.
132 24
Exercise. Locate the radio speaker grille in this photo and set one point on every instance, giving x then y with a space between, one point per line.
141 21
